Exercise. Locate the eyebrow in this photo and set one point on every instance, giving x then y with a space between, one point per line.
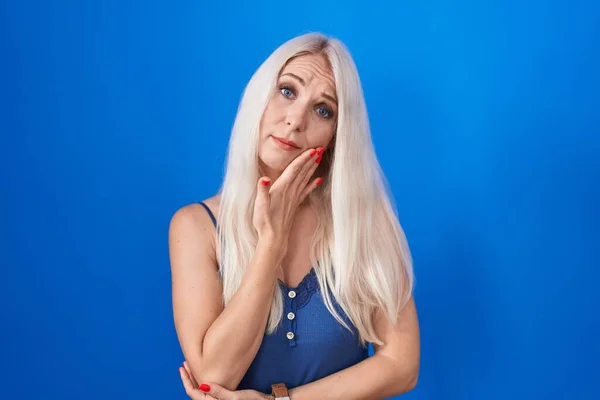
327 96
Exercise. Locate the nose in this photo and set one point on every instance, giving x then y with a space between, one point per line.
295 118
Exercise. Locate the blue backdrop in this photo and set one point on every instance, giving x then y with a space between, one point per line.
485 118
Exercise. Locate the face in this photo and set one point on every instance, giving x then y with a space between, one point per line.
301 114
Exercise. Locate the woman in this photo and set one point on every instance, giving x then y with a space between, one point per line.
299 262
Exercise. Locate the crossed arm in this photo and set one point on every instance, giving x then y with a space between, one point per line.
392 370
215 353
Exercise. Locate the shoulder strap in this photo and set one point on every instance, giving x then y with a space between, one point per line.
210 213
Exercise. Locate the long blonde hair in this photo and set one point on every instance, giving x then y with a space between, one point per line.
359 251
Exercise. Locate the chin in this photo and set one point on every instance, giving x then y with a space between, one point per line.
276 161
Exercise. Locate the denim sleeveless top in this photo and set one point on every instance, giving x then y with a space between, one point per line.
309 343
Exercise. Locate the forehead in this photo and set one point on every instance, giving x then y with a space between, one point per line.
311 68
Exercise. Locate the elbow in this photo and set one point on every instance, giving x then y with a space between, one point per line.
214 373
209 371
407 381
205 370
221 378
410 380
404 379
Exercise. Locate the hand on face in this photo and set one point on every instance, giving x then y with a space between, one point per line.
276 202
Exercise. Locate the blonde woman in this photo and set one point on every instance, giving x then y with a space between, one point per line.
282 279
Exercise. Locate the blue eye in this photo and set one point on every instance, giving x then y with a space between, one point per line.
324 112
286 91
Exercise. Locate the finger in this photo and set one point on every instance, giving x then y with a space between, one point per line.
217 391
189 372
264 185
295 168
191 391
313 161
262 194
312 186
309 169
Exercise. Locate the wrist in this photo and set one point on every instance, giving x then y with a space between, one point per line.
293 395
271 248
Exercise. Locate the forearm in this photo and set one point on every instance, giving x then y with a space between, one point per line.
377 377
232 341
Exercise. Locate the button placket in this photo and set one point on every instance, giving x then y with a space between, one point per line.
290 317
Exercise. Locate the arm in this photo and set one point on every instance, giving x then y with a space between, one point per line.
219 344
392 370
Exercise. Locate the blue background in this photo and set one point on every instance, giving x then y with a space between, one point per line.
484 116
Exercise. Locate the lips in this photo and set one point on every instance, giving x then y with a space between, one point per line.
284 144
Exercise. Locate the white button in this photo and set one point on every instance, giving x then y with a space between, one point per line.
291 315
290 335
292 294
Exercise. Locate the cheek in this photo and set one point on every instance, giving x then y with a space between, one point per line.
264 122
321 135
268 120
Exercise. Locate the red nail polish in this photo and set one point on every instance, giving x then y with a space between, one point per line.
312 153
321 150
319 181
205 388
265 182
319 159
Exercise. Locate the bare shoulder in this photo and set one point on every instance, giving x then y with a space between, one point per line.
194 217
191 227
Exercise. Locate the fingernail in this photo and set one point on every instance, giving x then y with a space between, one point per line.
319 181
265 182
312 153
205 388
319 159
321 150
